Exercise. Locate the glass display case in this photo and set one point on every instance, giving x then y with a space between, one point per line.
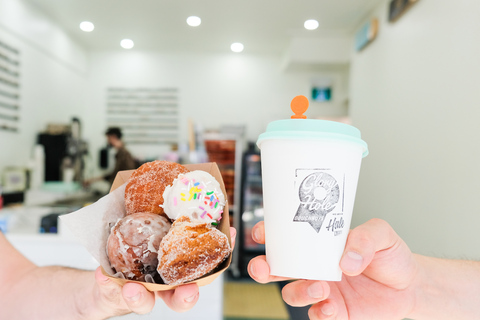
251 207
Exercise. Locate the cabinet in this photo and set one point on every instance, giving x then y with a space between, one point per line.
226 149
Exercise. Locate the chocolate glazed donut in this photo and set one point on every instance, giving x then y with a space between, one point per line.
132 246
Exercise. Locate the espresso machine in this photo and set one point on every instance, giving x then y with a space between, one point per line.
64 152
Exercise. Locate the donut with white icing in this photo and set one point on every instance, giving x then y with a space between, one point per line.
197 195
132 246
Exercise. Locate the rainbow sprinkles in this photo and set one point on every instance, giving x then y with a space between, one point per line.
196 194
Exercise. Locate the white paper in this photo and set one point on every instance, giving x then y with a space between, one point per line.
91 225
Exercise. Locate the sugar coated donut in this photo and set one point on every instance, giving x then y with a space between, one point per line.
196 194
132 246
144 190
190 250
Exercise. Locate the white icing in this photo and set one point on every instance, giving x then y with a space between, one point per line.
137 235
196 194
151 247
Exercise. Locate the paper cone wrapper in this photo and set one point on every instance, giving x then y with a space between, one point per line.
91 226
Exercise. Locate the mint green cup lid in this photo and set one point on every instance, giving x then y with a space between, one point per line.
308 129
300 128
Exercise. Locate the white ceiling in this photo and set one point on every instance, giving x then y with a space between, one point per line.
263 26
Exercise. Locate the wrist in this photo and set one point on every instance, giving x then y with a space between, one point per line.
88 301
421 287
446 289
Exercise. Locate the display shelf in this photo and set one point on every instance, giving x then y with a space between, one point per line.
226 149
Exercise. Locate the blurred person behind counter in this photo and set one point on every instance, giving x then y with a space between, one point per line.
123 158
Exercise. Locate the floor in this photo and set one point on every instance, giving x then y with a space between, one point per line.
248 300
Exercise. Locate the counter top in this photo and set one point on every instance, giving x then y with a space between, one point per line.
22 224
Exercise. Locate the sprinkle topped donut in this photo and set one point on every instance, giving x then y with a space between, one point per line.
196 194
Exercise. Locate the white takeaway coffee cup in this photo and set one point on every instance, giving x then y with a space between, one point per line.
310 171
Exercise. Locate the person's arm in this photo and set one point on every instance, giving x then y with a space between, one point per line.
31 292
383 280
123 161
447 289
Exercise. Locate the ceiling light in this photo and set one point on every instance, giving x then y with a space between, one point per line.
311 24
194 21
126 44
87 26
236 47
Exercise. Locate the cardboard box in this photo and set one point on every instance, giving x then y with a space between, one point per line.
81 225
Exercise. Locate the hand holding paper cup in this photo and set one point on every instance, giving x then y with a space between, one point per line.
310 171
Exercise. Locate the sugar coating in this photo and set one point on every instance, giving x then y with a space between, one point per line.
196 194
190 250
145 187
132 246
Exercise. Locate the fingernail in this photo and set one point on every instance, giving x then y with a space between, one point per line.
315 290
328 309
233 233
103 278
252 270
190 299
135 297
256 234
351 262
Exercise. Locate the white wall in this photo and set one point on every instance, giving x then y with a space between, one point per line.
415 96
53 75
214 89
331 49
59 80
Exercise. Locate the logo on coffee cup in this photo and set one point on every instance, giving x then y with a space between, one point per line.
319 194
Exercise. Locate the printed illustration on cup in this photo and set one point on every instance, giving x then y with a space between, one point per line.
319 193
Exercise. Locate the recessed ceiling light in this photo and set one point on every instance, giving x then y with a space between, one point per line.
194 21
236 47
87 26
126 44
311 24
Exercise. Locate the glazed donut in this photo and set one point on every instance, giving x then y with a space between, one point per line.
133 244
190 250
144 190
196 194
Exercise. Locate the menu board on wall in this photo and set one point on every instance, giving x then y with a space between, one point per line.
145 115
9 87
